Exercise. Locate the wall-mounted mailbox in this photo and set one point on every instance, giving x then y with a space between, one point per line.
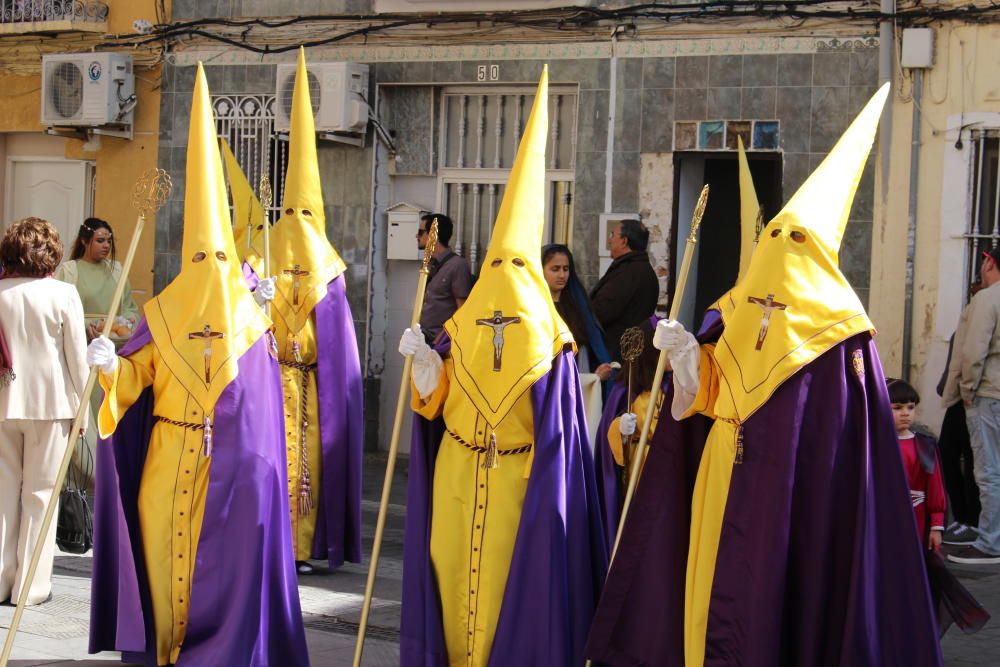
404 221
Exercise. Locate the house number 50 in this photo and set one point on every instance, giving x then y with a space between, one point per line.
488 73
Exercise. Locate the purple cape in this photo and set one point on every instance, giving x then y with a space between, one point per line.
819 561
341 426
560 554
609 484
244 600
341 429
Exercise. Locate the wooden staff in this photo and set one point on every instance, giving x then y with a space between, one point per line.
265 202
148 195
661 363
397 425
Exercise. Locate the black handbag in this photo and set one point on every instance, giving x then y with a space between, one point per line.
75 525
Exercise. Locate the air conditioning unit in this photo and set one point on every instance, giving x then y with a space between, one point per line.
337 90
87 89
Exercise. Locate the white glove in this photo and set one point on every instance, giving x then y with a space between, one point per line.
627 423
101 353
264 292
427 364
670 335
411 341
685 359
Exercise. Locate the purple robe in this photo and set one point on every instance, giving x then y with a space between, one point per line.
819 561
560 554
341 426
244 599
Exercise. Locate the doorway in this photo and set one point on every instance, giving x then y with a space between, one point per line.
715 265
54 189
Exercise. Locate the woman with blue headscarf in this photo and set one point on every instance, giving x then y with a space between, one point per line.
573 306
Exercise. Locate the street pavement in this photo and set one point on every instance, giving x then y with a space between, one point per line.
55 633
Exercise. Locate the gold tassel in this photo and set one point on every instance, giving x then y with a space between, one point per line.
305 481
492 460
739 444
206 437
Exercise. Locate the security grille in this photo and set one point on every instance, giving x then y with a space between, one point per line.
984 226
481 128
247 123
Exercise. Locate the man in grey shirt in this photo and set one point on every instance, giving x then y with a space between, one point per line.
450 279
978 348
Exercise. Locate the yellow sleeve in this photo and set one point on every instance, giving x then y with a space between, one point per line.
615 441
121 390
708 384
432 406
639 406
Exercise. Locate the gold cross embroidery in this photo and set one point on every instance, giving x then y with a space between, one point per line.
296 274
768 305
498 323
207 336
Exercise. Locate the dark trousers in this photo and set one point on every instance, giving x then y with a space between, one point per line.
956 466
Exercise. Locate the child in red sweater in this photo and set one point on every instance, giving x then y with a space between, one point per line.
923 470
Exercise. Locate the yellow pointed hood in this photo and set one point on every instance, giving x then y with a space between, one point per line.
302 258
794 304
206 318
248 214
749 212
505 335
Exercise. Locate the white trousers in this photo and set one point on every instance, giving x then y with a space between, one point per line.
30 453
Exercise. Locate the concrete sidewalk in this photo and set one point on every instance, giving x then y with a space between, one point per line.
55 633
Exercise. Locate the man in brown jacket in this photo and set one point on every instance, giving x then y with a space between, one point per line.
627 292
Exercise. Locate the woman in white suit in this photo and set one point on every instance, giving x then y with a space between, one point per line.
42 321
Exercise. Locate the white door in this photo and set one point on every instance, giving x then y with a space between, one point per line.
54 189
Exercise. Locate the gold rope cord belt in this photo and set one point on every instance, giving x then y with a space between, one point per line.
739 437
205 427
486 450
174 422
305 476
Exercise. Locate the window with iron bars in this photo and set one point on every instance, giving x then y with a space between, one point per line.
481 128
247 123
984 226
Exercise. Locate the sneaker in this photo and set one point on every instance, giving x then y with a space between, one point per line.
959 534
972 556
303 567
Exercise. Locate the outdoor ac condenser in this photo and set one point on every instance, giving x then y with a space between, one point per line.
337 90
87 89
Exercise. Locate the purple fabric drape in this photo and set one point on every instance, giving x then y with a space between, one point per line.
560 554
819 562
609 485
640 618
244 600
341 426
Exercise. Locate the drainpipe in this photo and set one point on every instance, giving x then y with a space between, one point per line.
610 146
911 222
886 45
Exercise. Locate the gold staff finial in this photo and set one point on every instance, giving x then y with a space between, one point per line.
432 239
266 194
699 212
151 191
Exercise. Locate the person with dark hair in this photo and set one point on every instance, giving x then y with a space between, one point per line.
923 470
450 279
95 273
42 321
627 293
572 305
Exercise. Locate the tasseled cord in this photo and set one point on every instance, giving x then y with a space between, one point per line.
739 444
206 437
7 378
492 460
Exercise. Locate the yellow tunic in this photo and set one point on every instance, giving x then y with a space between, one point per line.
293 380
708 504
475 515
172 492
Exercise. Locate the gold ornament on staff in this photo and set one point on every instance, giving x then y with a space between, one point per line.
148 196
631 344
661 363
266 194
397 426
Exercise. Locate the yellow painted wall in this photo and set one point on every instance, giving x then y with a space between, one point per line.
118 161
963 80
